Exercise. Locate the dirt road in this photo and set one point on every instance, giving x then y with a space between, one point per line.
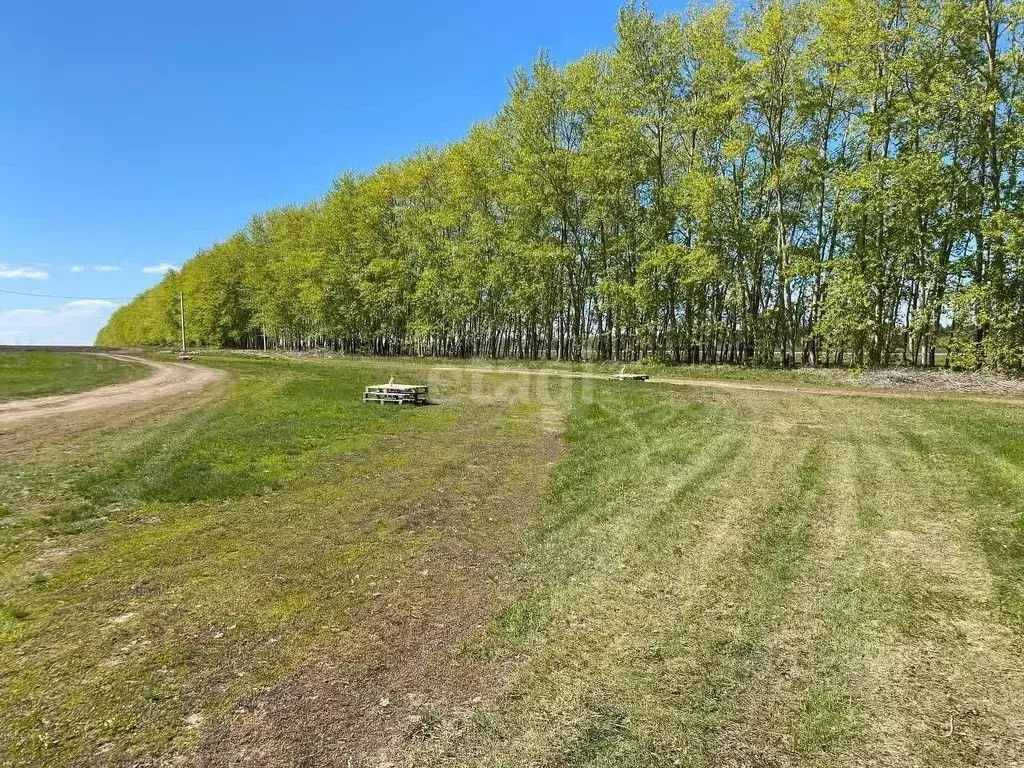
759 386
167 379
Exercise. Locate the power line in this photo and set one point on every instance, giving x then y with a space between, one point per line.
72 298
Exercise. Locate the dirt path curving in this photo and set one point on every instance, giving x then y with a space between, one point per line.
167 379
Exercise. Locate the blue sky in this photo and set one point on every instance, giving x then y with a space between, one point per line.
133 134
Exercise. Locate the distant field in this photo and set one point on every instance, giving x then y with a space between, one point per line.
35 374
532 572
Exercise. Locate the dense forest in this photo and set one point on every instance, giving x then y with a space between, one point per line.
812 182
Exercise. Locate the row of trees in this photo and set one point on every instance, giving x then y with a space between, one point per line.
814 181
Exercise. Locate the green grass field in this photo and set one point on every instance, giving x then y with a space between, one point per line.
35 374
532 572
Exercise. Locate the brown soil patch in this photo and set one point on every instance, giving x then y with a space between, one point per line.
397 674
970 382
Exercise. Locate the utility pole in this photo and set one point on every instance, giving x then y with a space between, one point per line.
181 303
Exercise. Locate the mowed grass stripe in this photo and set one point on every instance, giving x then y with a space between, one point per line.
925 585
976 533
823 598
722 654
812 706
648 649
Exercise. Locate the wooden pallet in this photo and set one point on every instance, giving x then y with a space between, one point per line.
398 394
623 376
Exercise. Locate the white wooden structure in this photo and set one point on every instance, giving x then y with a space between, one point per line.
399 394
623 376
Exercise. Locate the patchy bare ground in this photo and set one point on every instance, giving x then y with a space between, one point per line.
396 672
971 382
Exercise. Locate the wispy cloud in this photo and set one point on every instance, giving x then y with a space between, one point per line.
80 268
159 269
87 306
23 273
75 322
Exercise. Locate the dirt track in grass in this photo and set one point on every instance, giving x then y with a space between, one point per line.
759 386
167 380
397 671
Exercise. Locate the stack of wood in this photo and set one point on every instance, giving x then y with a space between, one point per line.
623 376
399 394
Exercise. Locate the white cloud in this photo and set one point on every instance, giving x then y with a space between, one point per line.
76 322
23 273
87 306
80 268
159 269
